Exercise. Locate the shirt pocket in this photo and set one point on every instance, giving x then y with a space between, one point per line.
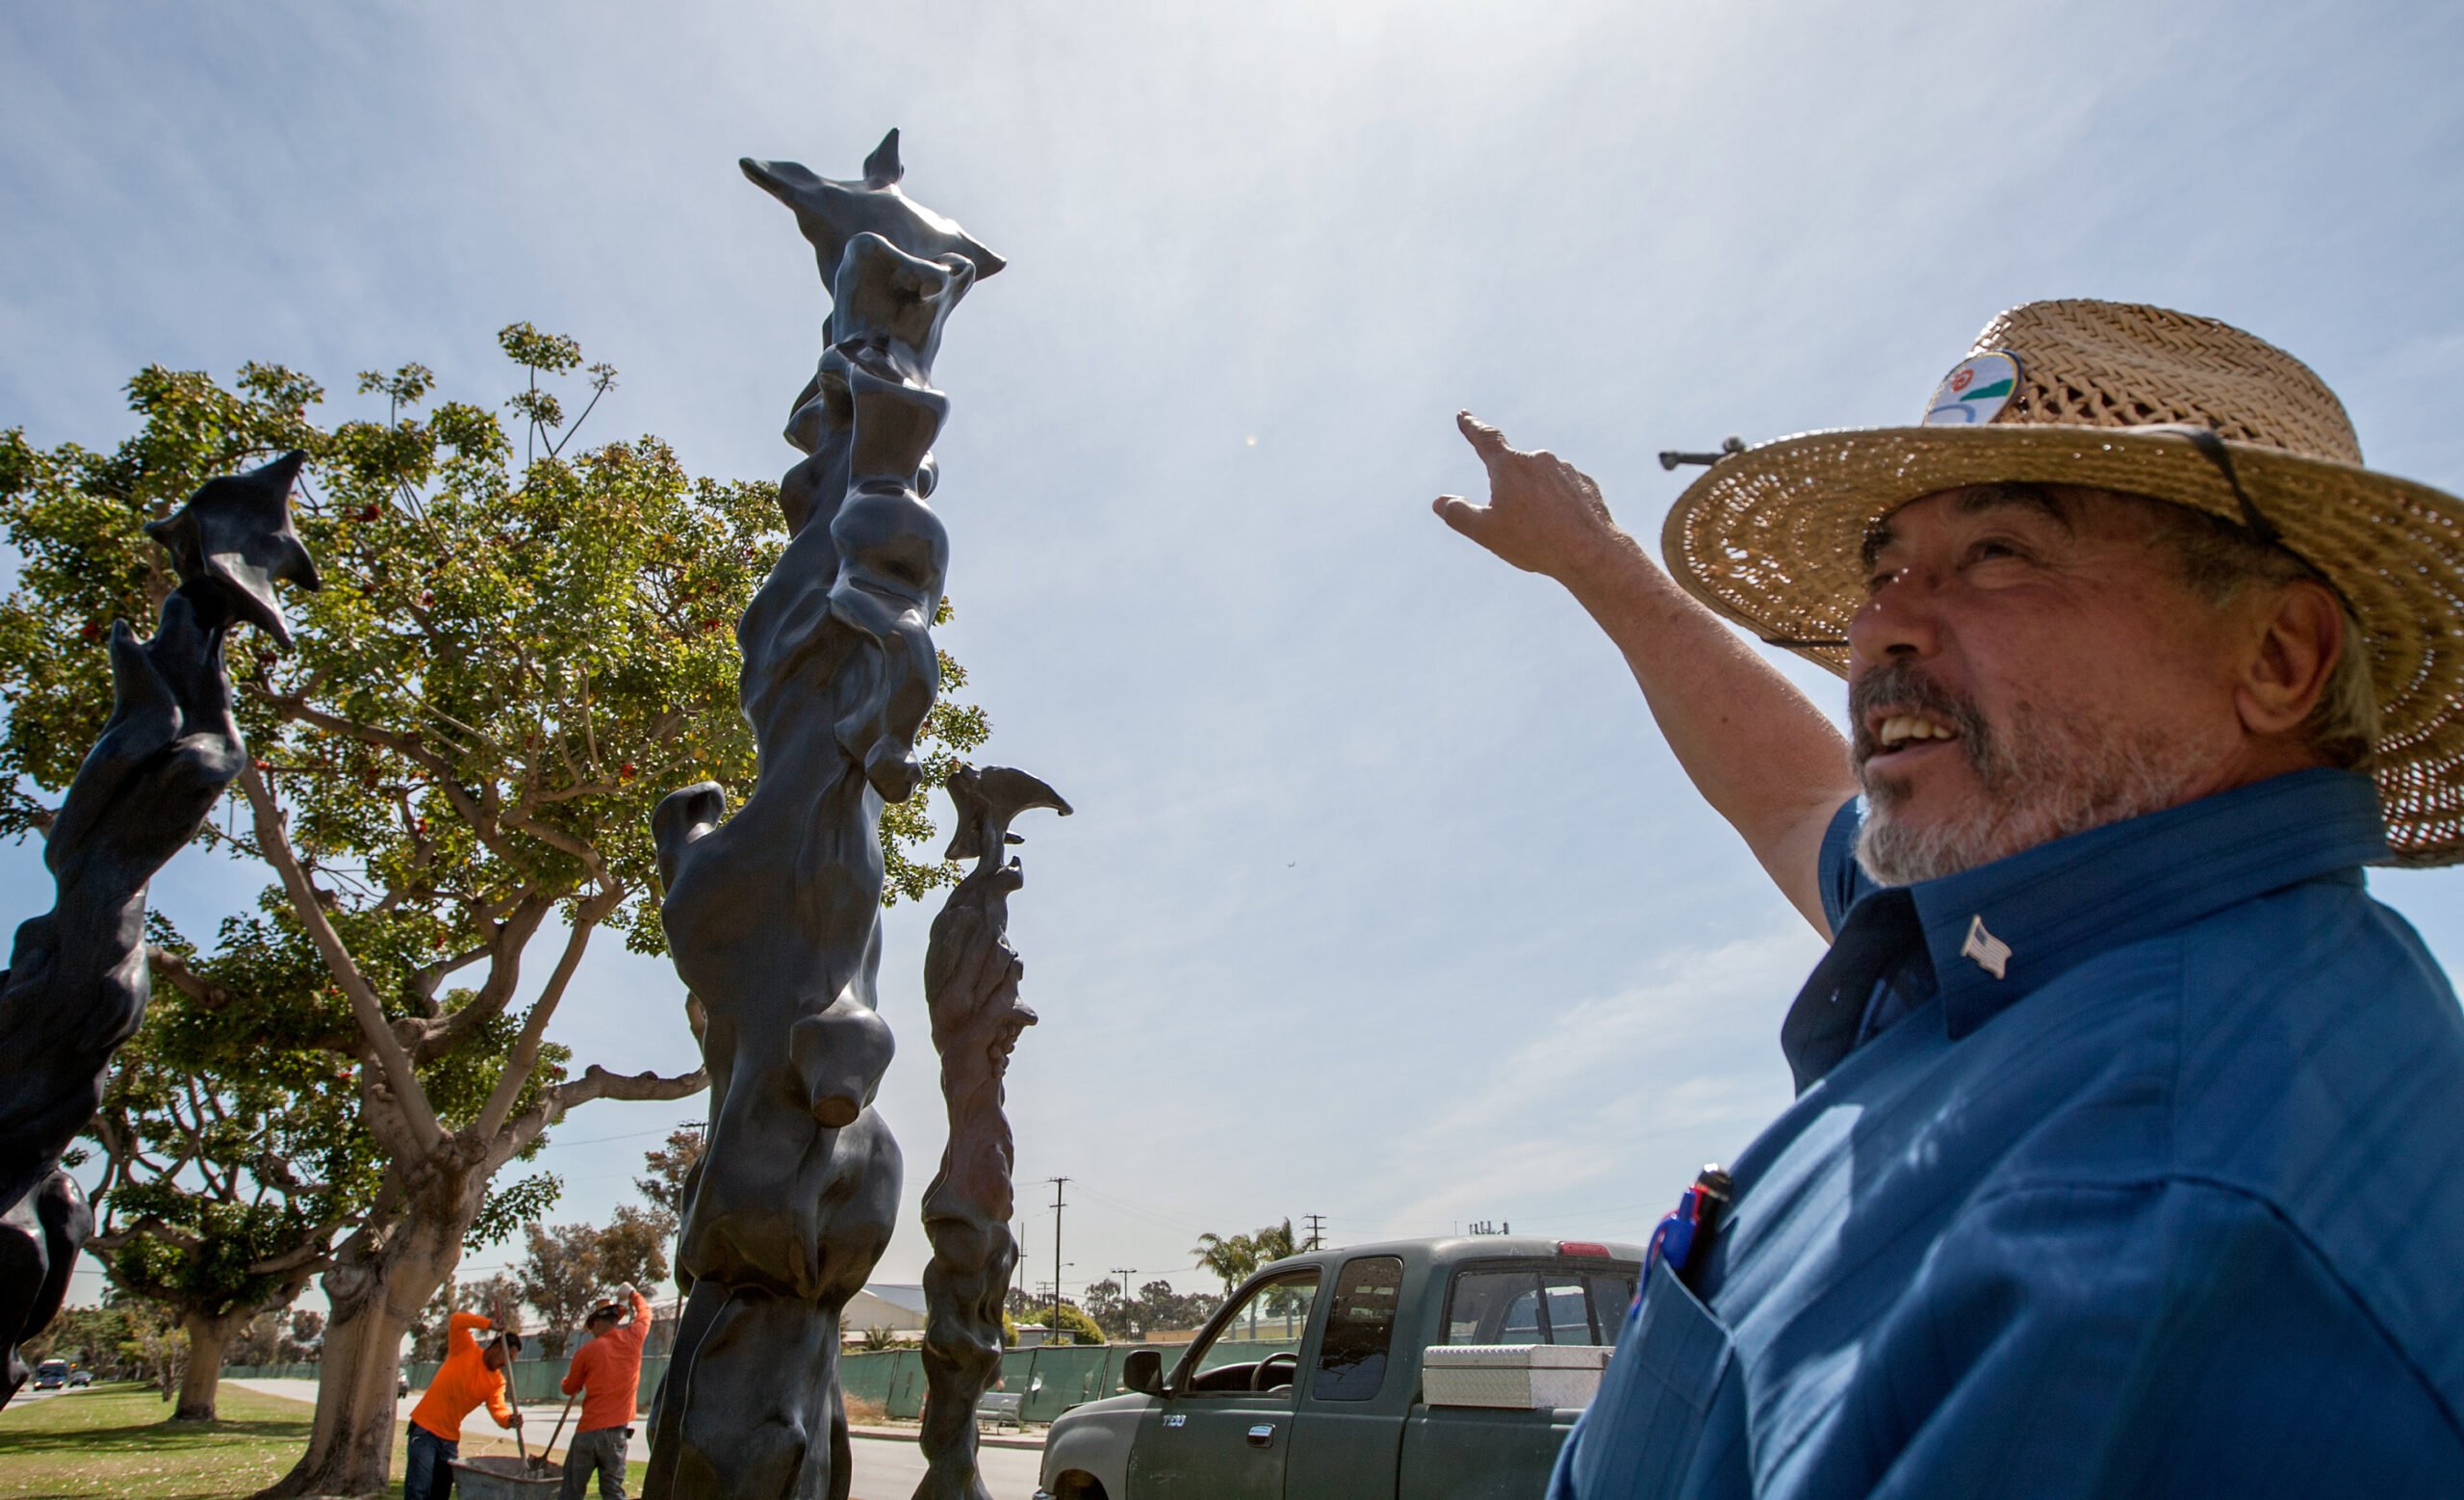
1639 1435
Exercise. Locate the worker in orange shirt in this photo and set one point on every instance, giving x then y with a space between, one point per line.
469 1375
609 1367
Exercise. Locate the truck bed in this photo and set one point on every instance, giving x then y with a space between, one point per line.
1480 1452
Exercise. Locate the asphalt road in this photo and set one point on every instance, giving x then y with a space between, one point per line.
886 1468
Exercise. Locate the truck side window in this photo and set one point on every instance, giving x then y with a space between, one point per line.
1257 1346
1360 1326
1499 1304
1494 1307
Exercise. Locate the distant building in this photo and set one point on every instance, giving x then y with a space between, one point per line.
895 1305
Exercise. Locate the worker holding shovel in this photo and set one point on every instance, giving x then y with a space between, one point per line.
469 1376
606 1372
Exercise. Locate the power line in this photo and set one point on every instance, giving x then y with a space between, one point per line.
1317 1228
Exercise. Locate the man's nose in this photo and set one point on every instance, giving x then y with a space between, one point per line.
1900 619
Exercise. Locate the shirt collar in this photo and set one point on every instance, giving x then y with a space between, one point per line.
2039 912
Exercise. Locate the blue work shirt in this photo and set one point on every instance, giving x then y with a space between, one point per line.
2175 1206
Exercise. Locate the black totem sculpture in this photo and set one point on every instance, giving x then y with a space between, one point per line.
774 913
971 990
77 981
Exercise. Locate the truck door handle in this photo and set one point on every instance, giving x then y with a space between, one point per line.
1262 1435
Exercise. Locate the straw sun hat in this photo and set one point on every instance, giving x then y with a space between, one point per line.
2118 397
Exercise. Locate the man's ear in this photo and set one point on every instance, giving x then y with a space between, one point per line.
2300 635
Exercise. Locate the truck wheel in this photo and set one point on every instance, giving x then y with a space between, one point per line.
1075 1486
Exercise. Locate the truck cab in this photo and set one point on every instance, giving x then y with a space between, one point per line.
1309 1380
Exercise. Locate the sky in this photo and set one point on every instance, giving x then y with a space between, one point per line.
1383 900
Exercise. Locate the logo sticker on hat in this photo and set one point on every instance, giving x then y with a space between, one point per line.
1976 389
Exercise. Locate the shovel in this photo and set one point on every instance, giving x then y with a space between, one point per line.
540 1464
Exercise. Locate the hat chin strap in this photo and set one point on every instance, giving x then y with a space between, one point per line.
2212 449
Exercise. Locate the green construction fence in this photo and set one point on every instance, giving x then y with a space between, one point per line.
1053 1377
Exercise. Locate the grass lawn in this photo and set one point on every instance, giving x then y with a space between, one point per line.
112 1442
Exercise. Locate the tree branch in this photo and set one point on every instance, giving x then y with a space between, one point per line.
424 984
148 1226
175 971
309 1256
534 1026
597 1082
506 942
401 1080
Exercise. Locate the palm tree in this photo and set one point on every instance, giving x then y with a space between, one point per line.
1229 1256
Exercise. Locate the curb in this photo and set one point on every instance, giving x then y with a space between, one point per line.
910 1434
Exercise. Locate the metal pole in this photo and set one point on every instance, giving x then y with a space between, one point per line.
1057 1207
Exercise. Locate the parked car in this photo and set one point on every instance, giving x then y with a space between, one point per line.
77 1377
1447 1369
51 1375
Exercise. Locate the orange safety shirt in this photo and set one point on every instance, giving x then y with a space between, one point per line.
462 1383
610 1367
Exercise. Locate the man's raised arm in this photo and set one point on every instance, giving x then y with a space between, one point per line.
1759 751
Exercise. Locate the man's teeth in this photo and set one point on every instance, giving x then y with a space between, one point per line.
1900 728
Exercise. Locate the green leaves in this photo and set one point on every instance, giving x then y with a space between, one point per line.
510 1208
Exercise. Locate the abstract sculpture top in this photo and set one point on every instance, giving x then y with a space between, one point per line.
832 213
233 540
894 270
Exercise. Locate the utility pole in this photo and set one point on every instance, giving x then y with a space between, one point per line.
1057 1207
1317 1227
1122 1276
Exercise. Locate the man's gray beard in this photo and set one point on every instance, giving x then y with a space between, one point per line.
2046 778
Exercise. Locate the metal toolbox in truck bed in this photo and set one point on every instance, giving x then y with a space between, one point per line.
1527 1376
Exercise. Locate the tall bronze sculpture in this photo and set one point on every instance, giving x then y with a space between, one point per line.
774 913
77 982
971 990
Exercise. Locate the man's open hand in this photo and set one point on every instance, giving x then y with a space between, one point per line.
1544 515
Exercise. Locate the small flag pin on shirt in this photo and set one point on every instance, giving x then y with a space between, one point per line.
1991 953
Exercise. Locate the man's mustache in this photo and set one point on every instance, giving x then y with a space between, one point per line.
1904 686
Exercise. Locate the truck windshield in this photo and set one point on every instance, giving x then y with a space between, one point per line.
1537 1304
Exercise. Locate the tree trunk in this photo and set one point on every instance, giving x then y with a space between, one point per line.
375 1297
208 1337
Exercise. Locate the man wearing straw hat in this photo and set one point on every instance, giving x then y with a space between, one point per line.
2128 1149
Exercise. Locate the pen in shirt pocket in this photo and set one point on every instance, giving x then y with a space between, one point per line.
1686 1232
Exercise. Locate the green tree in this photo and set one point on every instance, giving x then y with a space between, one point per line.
233 1160
91 1338
1077 1326
1159 1306
1110 1306
507 666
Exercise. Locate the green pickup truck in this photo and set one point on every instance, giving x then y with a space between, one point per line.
1446 1369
